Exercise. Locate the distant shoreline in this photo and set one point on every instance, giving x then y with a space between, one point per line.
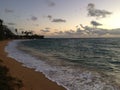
31 79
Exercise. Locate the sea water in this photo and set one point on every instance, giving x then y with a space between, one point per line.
76 64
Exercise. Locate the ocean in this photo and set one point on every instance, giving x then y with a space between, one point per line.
76 64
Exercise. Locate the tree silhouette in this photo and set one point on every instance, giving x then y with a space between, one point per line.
1 22
16 31
28 33
5 32
22 32
1 30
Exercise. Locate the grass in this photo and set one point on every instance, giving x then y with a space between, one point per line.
7 82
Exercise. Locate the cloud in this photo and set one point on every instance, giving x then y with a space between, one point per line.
8 11
69 32
49 17
78 30
34 18
11 23
114 31
100 32
63 34
50 3
21 29
93 12
45 30
88 32
36 25
58 20
60 32
95 23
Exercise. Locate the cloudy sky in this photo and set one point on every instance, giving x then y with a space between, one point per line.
63 18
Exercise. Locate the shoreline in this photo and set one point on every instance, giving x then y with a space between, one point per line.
31 79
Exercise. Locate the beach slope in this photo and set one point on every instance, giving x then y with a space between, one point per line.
31 79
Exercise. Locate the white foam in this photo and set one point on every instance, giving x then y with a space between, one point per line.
68 76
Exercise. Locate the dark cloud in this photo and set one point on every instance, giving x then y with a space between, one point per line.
114 31
49 17
88 32
76 26
21 29
50 3
103 32
91 32
36 25
8 11
82 26
69 32
11 23
85 27
34 18
95 23
58 20
100 32
60 32
45 30
93 12
78 30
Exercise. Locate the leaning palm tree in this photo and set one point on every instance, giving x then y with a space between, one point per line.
16 31
1 30
1 22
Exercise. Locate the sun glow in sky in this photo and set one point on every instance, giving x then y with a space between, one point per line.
62 18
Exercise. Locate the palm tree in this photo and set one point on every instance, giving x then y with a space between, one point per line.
16 31
31 32
22 32
1 22
5 32
1 30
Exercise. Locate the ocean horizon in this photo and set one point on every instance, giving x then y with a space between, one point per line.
74 63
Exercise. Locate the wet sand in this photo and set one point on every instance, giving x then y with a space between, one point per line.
31 79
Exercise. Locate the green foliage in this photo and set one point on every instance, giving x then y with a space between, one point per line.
5 32
6 81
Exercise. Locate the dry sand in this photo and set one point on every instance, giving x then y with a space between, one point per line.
31 79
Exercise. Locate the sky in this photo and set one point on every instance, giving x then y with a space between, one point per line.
63 18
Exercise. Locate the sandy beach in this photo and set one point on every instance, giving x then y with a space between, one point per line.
31 79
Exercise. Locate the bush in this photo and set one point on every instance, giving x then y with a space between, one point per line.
6 81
